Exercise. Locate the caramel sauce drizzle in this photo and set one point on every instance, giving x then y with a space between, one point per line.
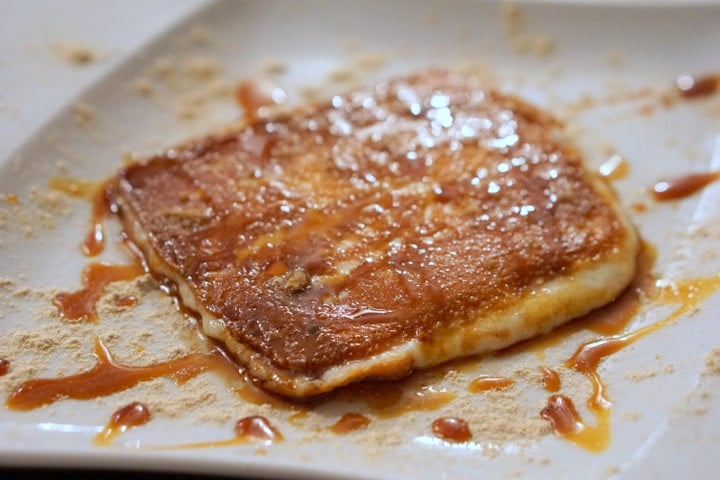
607 320
551 379
248 430
684 186
451 429
484 383
108 377
688 295
350 422
127 417
81 305
97 193
567 422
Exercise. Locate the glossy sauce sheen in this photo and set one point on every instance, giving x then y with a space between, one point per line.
253 96
108 377
351 213
392 399
698 86
257 428
684 186
350 422
488 382
608 320
551 379
615 168
81 305
562 414
452 429
687 295
129 416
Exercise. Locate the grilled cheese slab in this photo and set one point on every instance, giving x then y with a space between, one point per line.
387 230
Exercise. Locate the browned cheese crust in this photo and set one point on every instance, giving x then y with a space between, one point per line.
389 229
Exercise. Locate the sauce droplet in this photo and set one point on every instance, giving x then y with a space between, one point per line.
551 379
683 187
488 382
129 416
257 428
691 86
614 168
125 301
4 366
350 422
452 429
81 305
108 377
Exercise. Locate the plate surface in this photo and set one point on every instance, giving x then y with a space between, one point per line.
608 70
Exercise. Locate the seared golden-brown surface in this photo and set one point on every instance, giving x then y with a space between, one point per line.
386 230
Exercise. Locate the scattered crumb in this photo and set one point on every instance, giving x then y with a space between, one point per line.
83 113
614 58
631 416
76 53
202 68
143 86
641 375
712 362
512 18
342 76
513 21
612 470
195 103
163 67
199 35
369 61
274 68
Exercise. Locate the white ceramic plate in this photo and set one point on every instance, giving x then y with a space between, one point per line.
602 51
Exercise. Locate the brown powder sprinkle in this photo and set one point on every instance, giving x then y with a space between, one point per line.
712 362
76 53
